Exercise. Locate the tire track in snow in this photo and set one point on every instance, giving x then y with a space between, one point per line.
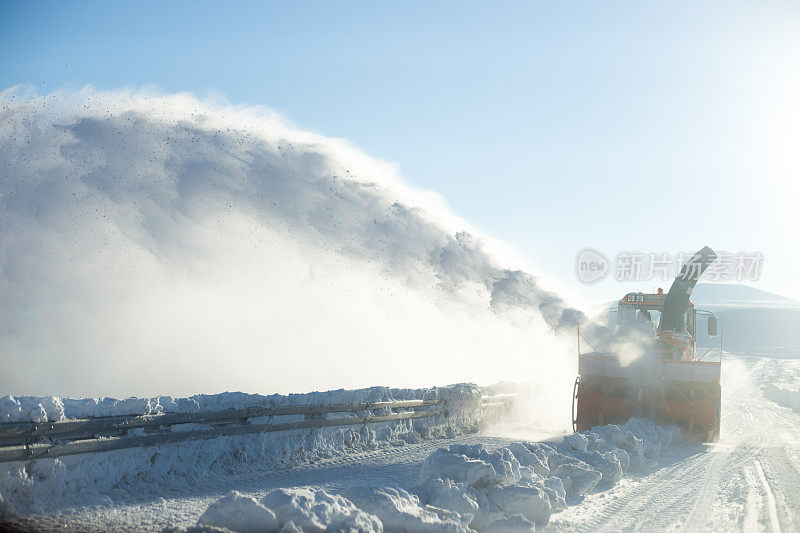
753 500
648 502
667 498
771 505
720 458
780 470
779 462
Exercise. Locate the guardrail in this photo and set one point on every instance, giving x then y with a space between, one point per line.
22 441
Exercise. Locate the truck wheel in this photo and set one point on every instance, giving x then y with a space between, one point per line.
575 405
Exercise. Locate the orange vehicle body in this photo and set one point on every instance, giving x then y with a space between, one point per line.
688 395
670 385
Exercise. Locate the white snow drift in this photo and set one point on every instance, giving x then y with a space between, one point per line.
462 488
779 380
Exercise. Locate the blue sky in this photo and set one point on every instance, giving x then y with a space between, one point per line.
652 126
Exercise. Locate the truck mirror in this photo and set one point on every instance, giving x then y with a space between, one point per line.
712 326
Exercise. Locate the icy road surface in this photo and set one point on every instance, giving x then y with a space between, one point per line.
749 481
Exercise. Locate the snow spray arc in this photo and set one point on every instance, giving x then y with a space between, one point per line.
158 243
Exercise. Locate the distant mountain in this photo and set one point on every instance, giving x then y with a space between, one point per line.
754 321
759 330
715 296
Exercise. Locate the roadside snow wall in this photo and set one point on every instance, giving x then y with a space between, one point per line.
39 484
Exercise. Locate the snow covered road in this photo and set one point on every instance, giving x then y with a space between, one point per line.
749 481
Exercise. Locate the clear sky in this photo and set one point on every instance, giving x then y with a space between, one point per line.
553 126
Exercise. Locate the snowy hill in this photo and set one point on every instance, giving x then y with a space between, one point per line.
753 321
725 295
761 330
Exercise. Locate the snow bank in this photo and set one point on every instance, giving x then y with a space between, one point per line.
52 408
779 380
525 482
464 487
782 396
239 513
316 511
45 483
31 409
401 511
289 509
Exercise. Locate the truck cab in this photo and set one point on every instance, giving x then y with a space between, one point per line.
640 309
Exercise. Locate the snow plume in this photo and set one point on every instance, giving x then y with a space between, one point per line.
629 341
162 244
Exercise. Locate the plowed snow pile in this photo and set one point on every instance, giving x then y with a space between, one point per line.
462 488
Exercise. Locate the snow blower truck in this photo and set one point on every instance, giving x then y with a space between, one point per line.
667 382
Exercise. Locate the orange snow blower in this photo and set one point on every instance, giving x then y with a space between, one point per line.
667 382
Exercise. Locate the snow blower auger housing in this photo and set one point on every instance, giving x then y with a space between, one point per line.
667 382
